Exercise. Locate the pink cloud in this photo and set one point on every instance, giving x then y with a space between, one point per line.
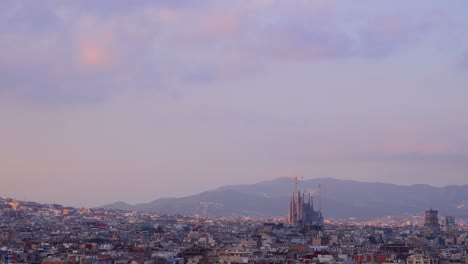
95 44
404 146
211 26
409 139
94 54
167 15
219 24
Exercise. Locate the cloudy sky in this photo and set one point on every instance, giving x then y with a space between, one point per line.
134 100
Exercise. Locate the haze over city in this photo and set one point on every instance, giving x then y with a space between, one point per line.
102 101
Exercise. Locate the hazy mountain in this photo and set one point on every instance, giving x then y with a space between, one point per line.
118 206
340 198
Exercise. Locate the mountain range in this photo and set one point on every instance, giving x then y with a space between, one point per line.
340 199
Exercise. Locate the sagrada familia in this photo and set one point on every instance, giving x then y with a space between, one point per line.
301 211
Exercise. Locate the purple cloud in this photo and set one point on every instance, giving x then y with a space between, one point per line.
301 42
384 35
113 45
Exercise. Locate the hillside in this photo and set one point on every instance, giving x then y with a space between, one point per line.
340 199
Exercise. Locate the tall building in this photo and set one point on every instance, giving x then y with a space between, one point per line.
431 223
302 213
447 223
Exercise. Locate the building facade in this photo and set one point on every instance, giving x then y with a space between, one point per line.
447 223
431 223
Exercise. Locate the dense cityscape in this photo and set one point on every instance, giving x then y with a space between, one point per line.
50 233
233 131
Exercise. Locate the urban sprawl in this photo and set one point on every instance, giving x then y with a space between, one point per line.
44 233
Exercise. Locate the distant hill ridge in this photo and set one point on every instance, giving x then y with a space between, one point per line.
341 199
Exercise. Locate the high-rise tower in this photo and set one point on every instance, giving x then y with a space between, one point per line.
431 223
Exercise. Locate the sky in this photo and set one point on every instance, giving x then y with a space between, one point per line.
112 100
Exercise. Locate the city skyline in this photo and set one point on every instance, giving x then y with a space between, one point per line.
138 100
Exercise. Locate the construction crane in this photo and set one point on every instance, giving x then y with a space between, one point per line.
295 180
